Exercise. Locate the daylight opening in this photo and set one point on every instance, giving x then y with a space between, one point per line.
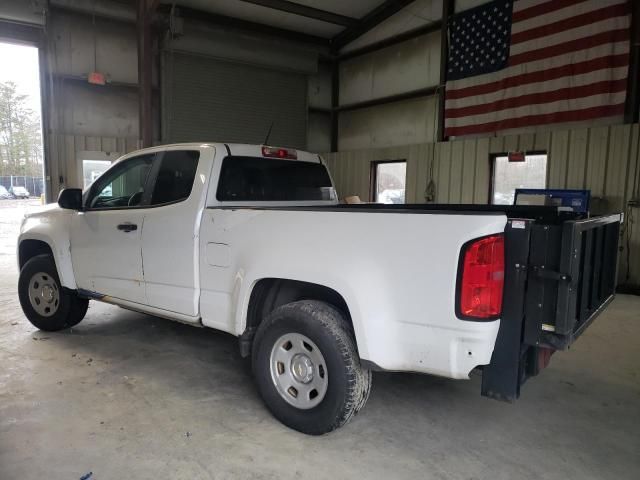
21 152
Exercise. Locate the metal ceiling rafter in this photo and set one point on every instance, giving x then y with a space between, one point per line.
370 20
305 11
217 19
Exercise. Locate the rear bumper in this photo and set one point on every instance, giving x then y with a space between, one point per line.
446 352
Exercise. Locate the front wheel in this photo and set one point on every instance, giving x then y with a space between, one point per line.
307 367
45 303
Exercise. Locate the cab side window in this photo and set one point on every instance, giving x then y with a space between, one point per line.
175 176
123 186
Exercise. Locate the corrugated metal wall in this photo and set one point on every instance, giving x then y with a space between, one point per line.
602 159
64 159
409 66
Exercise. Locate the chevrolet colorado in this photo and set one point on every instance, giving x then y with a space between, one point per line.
252 240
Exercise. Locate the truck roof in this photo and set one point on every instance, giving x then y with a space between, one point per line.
235 149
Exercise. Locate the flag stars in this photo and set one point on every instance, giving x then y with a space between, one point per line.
480 40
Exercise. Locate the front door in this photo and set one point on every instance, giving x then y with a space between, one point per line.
106 238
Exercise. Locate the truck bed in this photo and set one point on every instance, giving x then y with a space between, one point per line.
560 273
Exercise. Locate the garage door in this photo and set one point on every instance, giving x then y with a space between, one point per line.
211 100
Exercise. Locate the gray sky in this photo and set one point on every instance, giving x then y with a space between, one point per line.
20 65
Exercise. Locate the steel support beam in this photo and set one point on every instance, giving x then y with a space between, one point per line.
21 33
413 94
632 105
144 13
369 21
447 11
335 103
393 40
222 20
305 11
116 11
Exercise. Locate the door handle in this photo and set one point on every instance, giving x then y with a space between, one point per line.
127 227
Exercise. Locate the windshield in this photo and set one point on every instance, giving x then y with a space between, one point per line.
271 180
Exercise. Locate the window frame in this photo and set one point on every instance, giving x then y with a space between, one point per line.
216 202
149 185
373 178
492 169
155 170
90 192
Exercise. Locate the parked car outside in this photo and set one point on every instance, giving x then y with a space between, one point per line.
4 193
19 192
391 196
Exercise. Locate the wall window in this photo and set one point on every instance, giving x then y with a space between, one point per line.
123 185
93 163
92 169
388 181
509 175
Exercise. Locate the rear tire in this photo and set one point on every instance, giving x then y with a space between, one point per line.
45 303
307 368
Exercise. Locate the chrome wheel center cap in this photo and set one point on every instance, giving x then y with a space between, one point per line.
302 368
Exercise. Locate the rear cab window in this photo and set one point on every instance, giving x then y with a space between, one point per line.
257 179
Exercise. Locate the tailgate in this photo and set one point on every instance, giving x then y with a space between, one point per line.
558 279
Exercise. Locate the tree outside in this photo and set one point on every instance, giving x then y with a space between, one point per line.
20 134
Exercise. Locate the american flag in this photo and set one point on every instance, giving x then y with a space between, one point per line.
514 65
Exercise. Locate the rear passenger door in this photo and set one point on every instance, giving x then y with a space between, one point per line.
170 232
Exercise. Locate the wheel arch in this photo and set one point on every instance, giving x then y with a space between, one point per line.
29 248
33 244
268 294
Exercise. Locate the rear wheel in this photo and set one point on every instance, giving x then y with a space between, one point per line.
307 367
44 302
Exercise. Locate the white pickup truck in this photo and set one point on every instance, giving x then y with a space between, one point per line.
252 240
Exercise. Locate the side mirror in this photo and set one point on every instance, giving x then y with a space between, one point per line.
70 198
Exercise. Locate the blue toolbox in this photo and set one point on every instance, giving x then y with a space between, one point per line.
573 200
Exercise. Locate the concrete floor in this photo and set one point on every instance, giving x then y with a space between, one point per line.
125 395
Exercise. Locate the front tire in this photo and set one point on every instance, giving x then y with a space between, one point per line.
307 367
45 303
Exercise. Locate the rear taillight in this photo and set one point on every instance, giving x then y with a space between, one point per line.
481 279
